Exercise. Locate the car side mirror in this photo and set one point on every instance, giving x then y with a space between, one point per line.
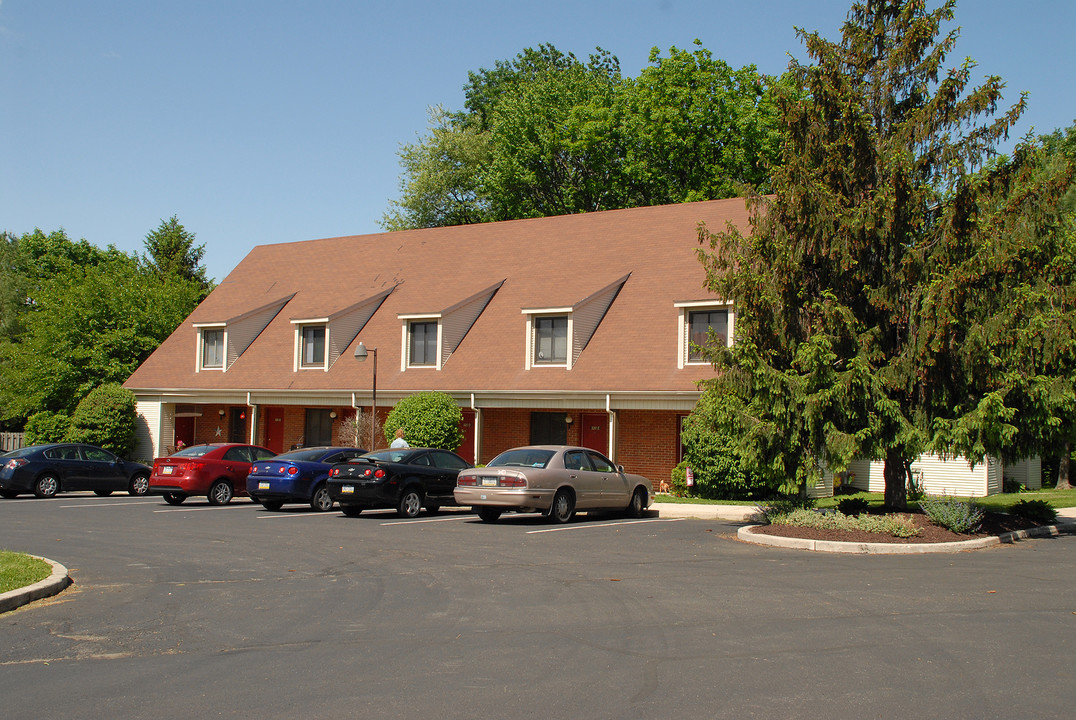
620 468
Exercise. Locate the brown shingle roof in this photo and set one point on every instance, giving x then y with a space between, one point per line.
545 262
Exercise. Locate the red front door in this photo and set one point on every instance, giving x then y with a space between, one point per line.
184 431
274 429
594 432
466 450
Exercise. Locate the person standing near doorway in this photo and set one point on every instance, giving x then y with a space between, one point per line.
399 442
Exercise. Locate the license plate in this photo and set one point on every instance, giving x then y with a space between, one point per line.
489 482
263 485
167 470
347 489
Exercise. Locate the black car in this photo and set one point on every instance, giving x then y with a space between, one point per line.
45 470
407 479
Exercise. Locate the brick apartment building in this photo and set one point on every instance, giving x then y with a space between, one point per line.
573 329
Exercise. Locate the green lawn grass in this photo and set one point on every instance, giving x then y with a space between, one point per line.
19 570
994 503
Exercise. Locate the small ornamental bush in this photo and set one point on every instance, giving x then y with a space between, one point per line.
1038 511
46 427
956 515
105 417
429 419
896 525
853 506
784 506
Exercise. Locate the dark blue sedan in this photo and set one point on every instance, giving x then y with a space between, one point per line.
45 470
297 476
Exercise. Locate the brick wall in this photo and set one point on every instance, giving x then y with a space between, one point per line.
647 439
648 443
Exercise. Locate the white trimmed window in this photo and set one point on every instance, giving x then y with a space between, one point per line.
422 346
212 344
311 344
549 337
421 341
313 350
696 321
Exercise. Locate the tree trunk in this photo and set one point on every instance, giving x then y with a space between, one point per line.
896 480
1063 467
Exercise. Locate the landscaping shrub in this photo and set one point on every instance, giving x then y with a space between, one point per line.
956 515
896 525
429 419
1009 485
46 427
786 505
105 417
710 450
853 506
1038 511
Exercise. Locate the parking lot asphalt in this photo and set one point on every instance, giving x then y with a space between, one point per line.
239 612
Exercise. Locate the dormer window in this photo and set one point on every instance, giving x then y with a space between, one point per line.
422 343
212 342
697 321
551 340
313 346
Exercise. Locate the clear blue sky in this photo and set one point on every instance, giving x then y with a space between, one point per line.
267 121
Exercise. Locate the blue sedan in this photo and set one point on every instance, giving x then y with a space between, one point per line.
297 476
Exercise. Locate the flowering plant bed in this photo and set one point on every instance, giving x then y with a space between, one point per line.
993 524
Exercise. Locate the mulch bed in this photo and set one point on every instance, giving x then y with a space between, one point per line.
993 524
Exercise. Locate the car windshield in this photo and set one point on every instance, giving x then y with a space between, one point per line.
305 454
527 457
193 451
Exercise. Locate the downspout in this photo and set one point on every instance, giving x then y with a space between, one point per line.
477 431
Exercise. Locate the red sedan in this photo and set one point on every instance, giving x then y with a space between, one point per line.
218 471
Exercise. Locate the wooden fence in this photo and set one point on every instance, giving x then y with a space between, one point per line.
10 441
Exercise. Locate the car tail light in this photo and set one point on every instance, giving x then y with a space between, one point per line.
15 462
334 472
507 481
466 480
379 473
292 470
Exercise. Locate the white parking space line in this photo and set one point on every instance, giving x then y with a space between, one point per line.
193 509
282 516
430 520
127 502
588 526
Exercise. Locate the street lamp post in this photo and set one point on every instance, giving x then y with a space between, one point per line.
361 354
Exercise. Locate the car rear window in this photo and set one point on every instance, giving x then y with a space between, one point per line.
193 451
396 456
306 454
522 458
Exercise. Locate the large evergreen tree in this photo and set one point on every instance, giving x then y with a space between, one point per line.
867 288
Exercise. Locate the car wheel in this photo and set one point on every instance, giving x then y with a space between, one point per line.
321 500
220 493
139 485
174 498
410 504
637 504
488 514
46 486
9 494
351 510
563 508
273 505
102 493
